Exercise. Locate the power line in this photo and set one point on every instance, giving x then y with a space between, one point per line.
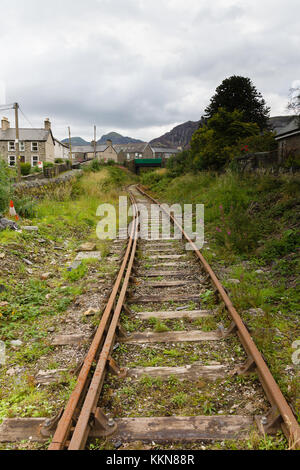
26 118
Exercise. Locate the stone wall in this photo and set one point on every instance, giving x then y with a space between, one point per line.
39 188
262 162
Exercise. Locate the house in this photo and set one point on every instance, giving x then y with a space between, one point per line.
288 139
134 151
103 152
61 150
118 152
35 145
165 153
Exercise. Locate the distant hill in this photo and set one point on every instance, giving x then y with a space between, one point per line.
76 141
118 139
113 136
180 136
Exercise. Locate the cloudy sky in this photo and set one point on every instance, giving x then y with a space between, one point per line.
140 67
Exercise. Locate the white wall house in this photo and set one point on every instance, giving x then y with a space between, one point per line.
61 150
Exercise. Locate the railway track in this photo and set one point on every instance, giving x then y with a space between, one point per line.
159 284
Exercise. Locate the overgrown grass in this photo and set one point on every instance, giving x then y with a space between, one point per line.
252 230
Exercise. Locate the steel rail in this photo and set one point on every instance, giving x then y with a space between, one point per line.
290 425
88 410
65 424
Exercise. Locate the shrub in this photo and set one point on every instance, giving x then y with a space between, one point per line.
25 206
5 189
58 160
48 165
95 166
25 169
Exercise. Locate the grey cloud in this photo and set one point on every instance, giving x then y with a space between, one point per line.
140 66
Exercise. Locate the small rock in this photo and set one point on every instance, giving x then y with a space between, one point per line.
5 223
45 276
233 281
2 255
74 266
27 262
259 271
4 304
51 329
48 296
88 247
17 343
90 312
29 271
30 228
41 240
89 255
256 311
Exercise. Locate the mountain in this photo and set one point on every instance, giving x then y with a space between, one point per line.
118 139
180 136
76 141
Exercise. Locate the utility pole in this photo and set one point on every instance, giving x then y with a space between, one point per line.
95 144
70 146
16 108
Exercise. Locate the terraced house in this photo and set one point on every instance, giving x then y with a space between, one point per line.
35 145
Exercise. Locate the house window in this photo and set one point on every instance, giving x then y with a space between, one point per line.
12 160
34 160
34 147
22 146
11 146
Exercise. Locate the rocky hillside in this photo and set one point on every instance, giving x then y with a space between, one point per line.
118 139
180 136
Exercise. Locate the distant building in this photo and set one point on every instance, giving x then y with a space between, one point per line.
61 150
104 153
165 153
119 153
35 145
288 139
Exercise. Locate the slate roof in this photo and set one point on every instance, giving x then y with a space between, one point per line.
88 148
290 127
165 150
131 147
34 135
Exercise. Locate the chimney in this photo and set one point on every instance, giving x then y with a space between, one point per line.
5 124
47 124
109 143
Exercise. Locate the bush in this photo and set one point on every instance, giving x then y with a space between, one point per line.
25 207
48 165
25 169
95 166
58 160
5 189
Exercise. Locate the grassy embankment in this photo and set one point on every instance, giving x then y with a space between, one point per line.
252 230
29 306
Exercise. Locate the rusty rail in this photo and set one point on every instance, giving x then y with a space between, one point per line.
74 404
280 407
